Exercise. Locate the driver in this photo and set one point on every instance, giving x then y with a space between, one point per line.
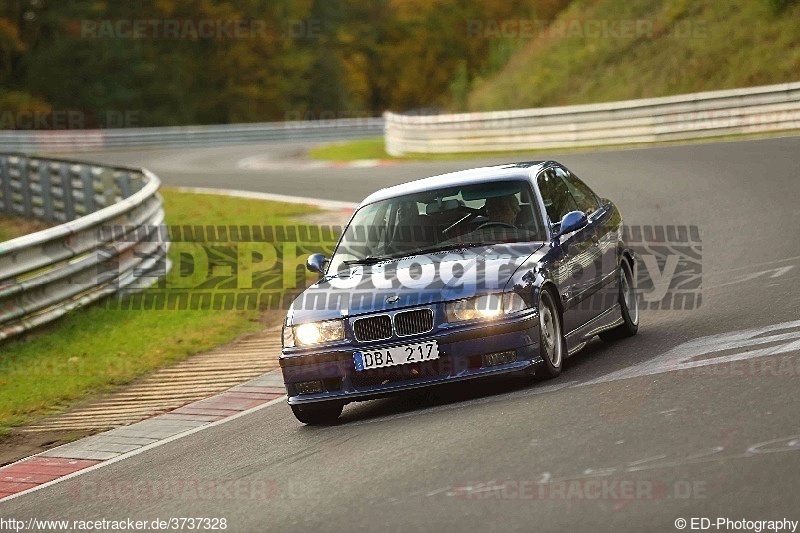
502 209
409 232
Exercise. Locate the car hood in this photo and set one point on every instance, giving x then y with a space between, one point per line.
412 280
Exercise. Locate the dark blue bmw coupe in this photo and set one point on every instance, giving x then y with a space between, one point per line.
505 269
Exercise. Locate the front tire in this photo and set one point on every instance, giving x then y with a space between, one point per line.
324 413
629 305
551 336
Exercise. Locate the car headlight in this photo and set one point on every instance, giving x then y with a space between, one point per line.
486 306
313 333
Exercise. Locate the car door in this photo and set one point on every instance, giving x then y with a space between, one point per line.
602 252
575 267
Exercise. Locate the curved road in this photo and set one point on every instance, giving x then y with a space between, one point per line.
630 437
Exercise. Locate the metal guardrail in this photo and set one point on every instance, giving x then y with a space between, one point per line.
689 116
190 136
47 274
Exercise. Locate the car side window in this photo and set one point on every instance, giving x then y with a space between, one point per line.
583 195
557 199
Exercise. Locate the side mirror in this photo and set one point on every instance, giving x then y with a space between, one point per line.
572 221
316 263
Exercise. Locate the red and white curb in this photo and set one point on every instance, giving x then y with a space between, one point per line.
82 456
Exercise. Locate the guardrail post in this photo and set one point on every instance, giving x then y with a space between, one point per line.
25 189
88 189
110 187
47 192
5 182
66 192
124 183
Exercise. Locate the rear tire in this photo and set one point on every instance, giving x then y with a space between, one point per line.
324 413
628 304
551 337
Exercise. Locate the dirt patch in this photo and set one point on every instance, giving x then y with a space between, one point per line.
13 227
18 445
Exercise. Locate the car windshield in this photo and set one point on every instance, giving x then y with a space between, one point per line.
454 217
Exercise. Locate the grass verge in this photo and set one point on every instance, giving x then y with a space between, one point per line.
95 349
681 47
374 148
13 227
355 150
369 148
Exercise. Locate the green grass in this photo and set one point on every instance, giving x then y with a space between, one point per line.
370 148
694 45
13 227
352 150
374 148
95 349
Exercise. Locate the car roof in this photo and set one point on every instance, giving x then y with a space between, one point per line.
461 177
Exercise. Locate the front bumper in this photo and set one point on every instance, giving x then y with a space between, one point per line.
461 351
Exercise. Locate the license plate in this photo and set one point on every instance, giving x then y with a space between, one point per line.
396 355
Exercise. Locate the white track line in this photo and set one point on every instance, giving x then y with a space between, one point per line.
324 204
142 449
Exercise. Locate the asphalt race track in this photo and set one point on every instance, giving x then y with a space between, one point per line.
630 437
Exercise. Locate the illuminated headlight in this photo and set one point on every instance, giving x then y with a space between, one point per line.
316 332
486 306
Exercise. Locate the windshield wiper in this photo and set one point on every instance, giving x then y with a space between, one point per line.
447 246
369 260
373 259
